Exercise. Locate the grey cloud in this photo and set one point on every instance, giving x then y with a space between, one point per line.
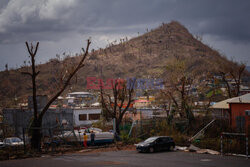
226 19
56 21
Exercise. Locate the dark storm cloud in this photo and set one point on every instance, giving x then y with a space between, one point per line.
58 21
226 19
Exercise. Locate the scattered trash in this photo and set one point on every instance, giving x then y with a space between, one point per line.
180 148
212 152
192 148
202 151
207 151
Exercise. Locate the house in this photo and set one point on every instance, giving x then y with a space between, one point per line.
244 90
221 109
239 117
236 110
144 113
86 116
80 98
142 104
150 98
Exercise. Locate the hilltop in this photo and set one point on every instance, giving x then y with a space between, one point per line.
143 56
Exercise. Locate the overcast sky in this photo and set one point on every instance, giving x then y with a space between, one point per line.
64 25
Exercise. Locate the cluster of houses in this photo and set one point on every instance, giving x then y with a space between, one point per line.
83 109
77 109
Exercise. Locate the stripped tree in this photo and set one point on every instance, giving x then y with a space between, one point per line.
232 73
117 102
38 115
179 81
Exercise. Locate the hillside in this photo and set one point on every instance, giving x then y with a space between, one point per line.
144 56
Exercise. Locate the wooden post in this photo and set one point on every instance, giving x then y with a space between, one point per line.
246 146
221 145
246 127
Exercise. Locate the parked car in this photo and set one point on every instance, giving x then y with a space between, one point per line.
13 141
157 143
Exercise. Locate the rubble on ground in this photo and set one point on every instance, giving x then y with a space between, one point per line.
193 148
207 151
180 148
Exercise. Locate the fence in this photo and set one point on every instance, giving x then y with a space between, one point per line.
60 138
55 139
237 141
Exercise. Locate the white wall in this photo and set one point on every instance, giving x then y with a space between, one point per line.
87 111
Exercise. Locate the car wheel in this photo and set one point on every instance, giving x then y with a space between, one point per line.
151 149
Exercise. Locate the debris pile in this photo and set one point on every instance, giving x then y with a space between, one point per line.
193 148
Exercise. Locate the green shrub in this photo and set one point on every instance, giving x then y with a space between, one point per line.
128 139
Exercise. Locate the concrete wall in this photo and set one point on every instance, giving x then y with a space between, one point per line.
19 119
54 118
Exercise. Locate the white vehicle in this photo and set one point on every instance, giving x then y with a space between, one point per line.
77 136
13 141
1 144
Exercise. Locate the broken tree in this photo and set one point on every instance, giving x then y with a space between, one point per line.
38 115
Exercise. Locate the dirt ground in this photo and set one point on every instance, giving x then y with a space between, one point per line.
114 147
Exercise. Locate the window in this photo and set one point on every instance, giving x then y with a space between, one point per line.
151 139
166 139
160 140
82 117
94 116
15 140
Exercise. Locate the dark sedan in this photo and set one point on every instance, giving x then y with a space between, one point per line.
157 143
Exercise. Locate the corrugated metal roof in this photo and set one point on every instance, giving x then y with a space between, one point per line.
225 103
221 105
241 99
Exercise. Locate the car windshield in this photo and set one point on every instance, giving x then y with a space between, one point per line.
15 140
151 139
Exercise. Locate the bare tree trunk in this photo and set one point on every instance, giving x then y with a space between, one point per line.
117 126
114 107
36 126
36 133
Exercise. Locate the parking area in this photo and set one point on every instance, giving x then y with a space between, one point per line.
130 158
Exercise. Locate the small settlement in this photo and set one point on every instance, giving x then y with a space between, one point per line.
76 110
82 109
